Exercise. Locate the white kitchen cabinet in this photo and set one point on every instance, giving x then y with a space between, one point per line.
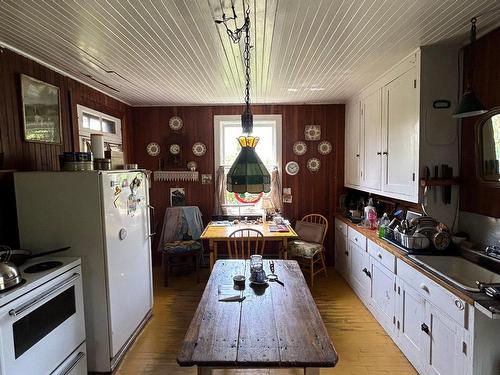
371 115
352 144
342 259
437 331
359 274
409 319
401 135
383 295
444 349
402 129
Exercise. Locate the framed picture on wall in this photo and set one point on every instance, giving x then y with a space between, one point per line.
41 111
177 197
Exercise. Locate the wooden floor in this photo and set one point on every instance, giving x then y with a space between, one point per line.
361 343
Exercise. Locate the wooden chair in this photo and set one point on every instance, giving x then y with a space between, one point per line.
245 242
318 250
174 253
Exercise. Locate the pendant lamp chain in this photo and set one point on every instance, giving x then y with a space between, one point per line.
235 36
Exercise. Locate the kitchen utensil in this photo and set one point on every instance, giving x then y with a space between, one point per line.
272 276
20 256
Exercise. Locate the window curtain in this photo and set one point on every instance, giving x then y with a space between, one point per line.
220 191
276 190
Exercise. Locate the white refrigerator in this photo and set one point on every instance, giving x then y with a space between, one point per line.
105 217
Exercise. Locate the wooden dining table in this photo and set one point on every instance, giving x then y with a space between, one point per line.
215 234
274 326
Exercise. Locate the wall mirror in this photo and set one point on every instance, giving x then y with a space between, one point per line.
489 146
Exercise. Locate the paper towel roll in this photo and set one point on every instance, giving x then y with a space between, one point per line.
97 145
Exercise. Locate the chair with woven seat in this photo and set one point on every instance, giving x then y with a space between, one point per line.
309 249
245 242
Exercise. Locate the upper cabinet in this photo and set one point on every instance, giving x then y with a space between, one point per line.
371 144
400 135
352 144
403 125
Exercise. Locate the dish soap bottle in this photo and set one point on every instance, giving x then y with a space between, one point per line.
371 215
383 223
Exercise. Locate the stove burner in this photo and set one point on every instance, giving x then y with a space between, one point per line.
23 281
44 266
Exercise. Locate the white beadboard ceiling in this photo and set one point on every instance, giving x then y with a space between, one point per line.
170 52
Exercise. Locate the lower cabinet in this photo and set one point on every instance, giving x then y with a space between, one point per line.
359 276
434 340
383 295
409 323
342 258
444 345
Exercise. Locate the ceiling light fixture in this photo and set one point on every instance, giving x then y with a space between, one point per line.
470 105
292 90
247 174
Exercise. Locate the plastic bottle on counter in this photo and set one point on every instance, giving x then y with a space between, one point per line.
382 225
371 215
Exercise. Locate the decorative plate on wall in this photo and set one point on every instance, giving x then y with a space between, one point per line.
324 147
175 123
199 149
153 149
299 148
292 168
313 164
175 149
312 133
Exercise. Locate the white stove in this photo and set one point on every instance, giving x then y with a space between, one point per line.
42 325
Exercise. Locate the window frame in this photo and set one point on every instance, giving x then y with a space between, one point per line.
218 147
115 138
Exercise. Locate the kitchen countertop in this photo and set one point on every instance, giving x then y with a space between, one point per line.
372 235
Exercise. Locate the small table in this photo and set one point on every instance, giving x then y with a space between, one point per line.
273 327
215 234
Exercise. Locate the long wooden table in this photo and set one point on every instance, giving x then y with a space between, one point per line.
215 234
274 326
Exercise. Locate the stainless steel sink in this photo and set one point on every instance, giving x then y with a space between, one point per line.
458 271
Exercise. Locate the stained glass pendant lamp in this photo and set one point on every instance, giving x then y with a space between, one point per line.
470 105
247 174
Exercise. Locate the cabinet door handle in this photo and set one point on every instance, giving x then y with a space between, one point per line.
379 255
357 155
379 153
424 327
424 288
459 304
367 273
346 253
385 153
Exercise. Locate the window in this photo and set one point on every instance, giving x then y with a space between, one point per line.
226 130
91 121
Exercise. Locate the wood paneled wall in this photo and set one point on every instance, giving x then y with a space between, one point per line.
312 192
21 155
475 196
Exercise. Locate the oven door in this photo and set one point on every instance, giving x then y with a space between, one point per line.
43 327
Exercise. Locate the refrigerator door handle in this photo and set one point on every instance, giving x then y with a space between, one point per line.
153 221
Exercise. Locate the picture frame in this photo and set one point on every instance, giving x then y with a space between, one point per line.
206 179
41 107
177 197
